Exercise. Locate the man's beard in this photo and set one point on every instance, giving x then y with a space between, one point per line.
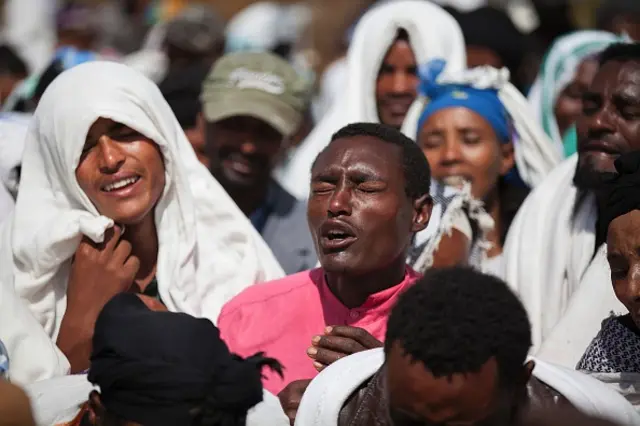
587 178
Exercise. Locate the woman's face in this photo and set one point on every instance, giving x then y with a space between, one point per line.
623 254
461 145
121 171
568 106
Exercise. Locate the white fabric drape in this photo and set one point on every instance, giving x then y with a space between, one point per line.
208 249
433 33
549 247
327 393
593 302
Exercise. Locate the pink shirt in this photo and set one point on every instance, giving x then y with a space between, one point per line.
281 317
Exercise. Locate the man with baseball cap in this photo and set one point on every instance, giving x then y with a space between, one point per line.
253 103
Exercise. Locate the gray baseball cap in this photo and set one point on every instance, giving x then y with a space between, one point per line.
259 85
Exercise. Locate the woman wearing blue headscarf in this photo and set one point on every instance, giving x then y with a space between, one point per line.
467 135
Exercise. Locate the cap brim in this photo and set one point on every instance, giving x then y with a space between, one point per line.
274 112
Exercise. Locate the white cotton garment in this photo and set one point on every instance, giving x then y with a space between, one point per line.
593 302
549 247
208 249
327 393
433 33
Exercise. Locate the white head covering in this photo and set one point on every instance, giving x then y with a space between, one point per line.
535 155
558 69
433 33
208 250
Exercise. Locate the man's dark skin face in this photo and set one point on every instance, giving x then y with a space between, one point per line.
418 398
242 152
360 216
396 84
610 123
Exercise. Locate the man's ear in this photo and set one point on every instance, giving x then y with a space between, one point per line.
422 207
96 409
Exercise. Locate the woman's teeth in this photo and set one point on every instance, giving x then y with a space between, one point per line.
455 181
120 184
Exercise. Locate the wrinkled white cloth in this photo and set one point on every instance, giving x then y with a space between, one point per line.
535 154
549 247
208 249
327 393
57 401
592 303
433 33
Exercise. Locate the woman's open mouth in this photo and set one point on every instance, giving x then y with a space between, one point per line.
121 187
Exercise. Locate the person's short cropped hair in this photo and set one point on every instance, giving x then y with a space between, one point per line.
454 320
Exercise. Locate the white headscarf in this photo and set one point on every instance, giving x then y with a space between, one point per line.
535 155
208 250
558 69
433 33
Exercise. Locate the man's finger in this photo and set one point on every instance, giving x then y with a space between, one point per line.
360 335
344 345
324 357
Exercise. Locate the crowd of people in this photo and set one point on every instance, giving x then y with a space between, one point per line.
204 230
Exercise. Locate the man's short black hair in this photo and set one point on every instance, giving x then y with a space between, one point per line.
11 63
417 174
453 320
621 52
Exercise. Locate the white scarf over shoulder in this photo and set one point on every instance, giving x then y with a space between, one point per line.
549 247
433 33
208 249
328 392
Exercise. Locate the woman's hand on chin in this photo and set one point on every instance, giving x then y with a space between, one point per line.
99 272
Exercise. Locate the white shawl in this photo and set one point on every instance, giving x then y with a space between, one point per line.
327 393
549 247
592 303
535 155
208 250
433 33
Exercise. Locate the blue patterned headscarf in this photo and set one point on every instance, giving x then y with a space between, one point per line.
484 102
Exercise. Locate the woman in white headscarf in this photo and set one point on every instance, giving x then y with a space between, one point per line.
432 33
114 199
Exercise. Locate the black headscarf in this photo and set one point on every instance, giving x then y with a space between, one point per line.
623 190
164 368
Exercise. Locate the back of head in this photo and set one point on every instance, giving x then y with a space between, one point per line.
454 320
197 30
416 168
181 88
156 367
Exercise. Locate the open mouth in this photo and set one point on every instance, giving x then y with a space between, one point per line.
121 184
336 237
455 181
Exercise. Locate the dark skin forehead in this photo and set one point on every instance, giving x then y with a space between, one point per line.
364 157
617 80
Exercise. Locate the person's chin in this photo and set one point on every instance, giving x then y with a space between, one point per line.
240 179
129 214
594 169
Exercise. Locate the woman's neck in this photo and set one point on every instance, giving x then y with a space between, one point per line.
353 290
492 206
143 238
